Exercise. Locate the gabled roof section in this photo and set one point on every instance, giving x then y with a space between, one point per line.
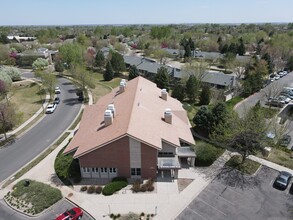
139 114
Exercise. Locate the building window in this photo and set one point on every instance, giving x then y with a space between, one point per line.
86 169
112 170
135 171
95 169
104 170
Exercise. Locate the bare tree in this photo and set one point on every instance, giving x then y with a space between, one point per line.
8 118
195 68
272 91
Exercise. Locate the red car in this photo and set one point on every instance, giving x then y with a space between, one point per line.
72 214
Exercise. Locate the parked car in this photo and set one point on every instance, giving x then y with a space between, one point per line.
51 108
277 77
57 90
57 100
71 214
288 95
285 140
283 179
283 99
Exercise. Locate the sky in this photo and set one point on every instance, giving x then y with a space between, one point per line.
99 12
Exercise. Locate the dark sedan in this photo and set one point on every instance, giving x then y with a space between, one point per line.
283 179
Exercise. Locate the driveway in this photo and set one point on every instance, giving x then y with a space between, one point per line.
249 102
231 197
18 153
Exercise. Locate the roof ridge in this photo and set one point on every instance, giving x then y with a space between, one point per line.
133 104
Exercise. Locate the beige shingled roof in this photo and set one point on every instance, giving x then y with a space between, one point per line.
139 114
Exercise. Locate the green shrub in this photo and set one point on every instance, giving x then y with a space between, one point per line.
99 189
113 187
91 189
206 154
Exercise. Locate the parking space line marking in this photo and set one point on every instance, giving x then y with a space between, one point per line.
212 206
197 213
235 191
221 197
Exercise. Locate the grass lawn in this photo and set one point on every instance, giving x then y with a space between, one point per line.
191 111
98 77
232 102
269 112
206 153
38 195
26 99
248 167
280 157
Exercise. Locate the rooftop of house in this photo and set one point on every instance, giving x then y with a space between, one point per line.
218 78
139 115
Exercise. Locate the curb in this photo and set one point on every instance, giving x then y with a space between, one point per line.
73 203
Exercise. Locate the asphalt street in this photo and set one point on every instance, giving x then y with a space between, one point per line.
249 102
15 155
7 213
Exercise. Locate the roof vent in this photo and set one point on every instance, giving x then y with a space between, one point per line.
122 87
112 108
168 115
125 82
164 94
108 117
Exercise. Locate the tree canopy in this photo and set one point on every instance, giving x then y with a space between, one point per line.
162 78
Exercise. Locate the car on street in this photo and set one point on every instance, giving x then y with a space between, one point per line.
51 108
57 90
283 179
71 214
57 100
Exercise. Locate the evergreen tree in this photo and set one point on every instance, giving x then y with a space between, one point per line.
108 74
192 88
224 49
59 67
290 63
187 51
205 95
191 45
178 92
241 47
162 78
117 62
100 59
133 72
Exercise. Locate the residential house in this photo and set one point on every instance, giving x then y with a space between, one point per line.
134 131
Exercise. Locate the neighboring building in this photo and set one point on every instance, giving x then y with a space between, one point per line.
26 58
19 39
143 131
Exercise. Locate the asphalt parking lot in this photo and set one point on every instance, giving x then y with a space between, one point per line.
231 198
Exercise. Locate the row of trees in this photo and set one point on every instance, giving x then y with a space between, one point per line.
246 134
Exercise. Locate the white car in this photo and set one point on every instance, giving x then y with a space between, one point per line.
51 108
57 90
283 99
277 77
